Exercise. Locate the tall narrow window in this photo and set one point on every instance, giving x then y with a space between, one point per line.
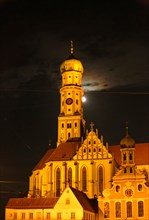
70 176
72 215
30 215
130 156
140 209
68 135
58 175
100 179
129 209
15 215
59 215
23 215
84 184
106 210
118 209
48 215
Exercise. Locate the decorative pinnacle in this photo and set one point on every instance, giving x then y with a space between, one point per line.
92 126
71 47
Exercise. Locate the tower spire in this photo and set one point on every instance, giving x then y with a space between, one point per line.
71 47
126 126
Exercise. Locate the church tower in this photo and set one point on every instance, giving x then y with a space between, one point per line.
71 124
128 153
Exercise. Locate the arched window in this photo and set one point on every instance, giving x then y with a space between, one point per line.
140 209
58 181
140 187
100 179
70 176
106 210
117 188
118 209
129 209
130 156
84 180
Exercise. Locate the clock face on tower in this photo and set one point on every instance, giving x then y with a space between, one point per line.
69 101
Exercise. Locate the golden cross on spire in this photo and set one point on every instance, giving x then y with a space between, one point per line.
92 126
71 48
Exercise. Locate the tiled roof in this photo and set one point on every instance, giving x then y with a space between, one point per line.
141 153
44 159
87 204
31 203
63 152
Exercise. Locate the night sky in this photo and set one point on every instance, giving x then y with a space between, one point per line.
111 38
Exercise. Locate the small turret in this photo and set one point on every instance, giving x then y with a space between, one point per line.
127 141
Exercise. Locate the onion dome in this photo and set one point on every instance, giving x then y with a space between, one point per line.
127 141
71 63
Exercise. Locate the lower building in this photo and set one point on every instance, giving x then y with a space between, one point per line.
87 183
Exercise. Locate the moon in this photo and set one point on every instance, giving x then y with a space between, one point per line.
83 99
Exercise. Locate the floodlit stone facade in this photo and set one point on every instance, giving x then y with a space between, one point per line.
82 178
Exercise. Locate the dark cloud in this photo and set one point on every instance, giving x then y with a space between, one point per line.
111 42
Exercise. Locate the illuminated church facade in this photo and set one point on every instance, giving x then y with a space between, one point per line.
80 178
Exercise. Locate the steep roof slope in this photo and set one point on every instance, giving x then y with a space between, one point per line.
87 204
63 152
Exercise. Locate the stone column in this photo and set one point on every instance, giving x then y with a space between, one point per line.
63 176
76 175
92 179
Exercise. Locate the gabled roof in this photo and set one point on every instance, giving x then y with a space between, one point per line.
44 159
63 152
31 203
87 204
141 153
